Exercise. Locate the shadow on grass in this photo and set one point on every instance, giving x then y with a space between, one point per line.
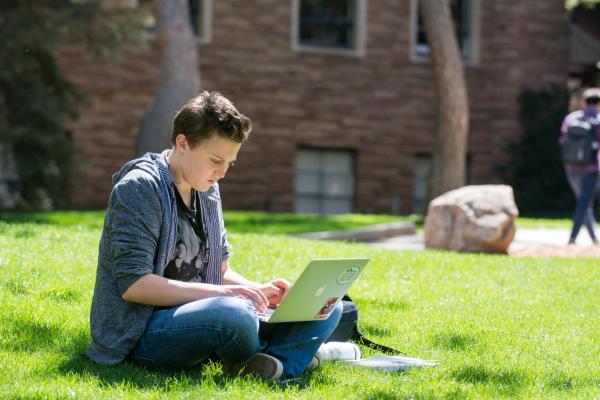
381 395
376 304
236 222
142 377
560 381
290 224
273 222
453 341
456 394
25 335
91 219
508 381
136 376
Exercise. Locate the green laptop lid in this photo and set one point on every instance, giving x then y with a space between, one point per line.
322 283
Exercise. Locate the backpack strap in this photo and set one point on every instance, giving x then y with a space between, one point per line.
359 338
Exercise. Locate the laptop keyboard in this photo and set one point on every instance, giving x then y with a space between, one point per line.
264 316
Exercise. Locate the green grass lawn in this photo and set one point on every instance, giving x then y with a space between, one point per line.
500 327
550 223
271 223
237 221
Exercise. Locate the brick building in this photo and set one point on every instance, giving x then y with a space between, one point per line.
340 94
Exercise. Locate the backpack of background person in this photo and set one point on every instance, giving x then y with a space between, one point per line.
347 329
579 145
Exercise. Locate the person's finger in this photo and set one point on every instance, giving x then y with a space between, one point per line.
270 290
277 290
259 297
281 284
260 291
274 293
285 285
262 295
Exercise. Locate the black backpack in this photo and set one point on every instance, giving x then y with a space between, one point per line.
347 329
579 145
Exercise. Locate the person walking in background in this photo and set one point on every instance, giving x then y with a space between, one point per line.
580 139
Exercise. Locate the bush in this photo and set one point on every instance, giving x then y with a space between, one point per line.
36 99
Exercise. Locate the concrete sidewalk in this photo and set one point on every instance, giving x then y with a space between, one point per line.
525 237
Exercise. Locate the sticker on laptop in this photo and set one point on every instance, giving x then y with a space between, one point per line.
327 308
348 275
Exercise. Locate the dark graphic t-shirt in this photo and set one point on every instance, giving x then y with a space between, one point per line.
190 259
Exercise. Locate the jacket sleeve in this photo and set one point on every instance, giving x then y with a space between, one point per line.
135 221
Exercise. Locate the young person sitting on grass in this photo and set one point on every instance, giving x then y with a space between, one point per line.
165 294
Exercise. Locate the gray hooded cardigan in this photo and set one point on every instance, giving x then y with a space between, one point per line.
138 238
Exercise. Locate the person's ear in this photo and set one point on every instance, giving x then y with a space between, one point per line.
181 142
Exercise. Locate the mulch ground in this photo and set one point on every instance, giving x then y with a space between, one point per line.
546 251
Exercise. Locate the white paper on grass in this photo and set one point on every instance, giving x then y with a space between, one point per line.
391 363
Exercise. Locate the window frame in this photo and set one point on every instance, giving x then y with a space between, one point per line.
360 33
419 204
205 37
472 58
322 196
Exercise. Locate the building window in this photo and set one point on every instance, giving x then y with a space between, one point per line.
201 19
465 15
324 181
421 183
330 26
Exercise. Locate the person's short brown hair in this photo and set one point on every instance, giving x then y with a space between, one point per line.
210 113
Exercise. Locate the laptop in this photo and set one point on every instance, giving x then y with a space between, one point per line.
316 292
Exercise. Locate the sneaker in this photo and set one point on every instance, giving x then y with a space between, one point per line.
261 365
338 351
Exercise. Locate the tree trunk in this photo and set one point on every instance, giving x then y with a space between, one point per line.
452 109
179 73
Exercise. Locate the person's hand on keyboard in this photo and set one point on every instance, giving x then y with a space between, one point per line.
252 293
275 291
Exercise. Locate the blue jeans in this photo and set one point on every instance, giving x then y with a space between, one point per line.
584 187
227 327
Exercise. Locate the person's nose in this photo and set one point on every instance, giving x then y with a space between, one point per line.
221 172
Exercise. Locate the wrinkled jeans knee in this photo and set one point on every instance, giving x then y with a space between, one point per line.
185 335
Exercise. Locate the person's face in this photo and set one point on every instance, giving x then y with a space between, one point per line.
207 162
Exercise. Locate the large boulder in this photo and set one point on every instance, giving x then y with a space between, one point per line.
472 219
